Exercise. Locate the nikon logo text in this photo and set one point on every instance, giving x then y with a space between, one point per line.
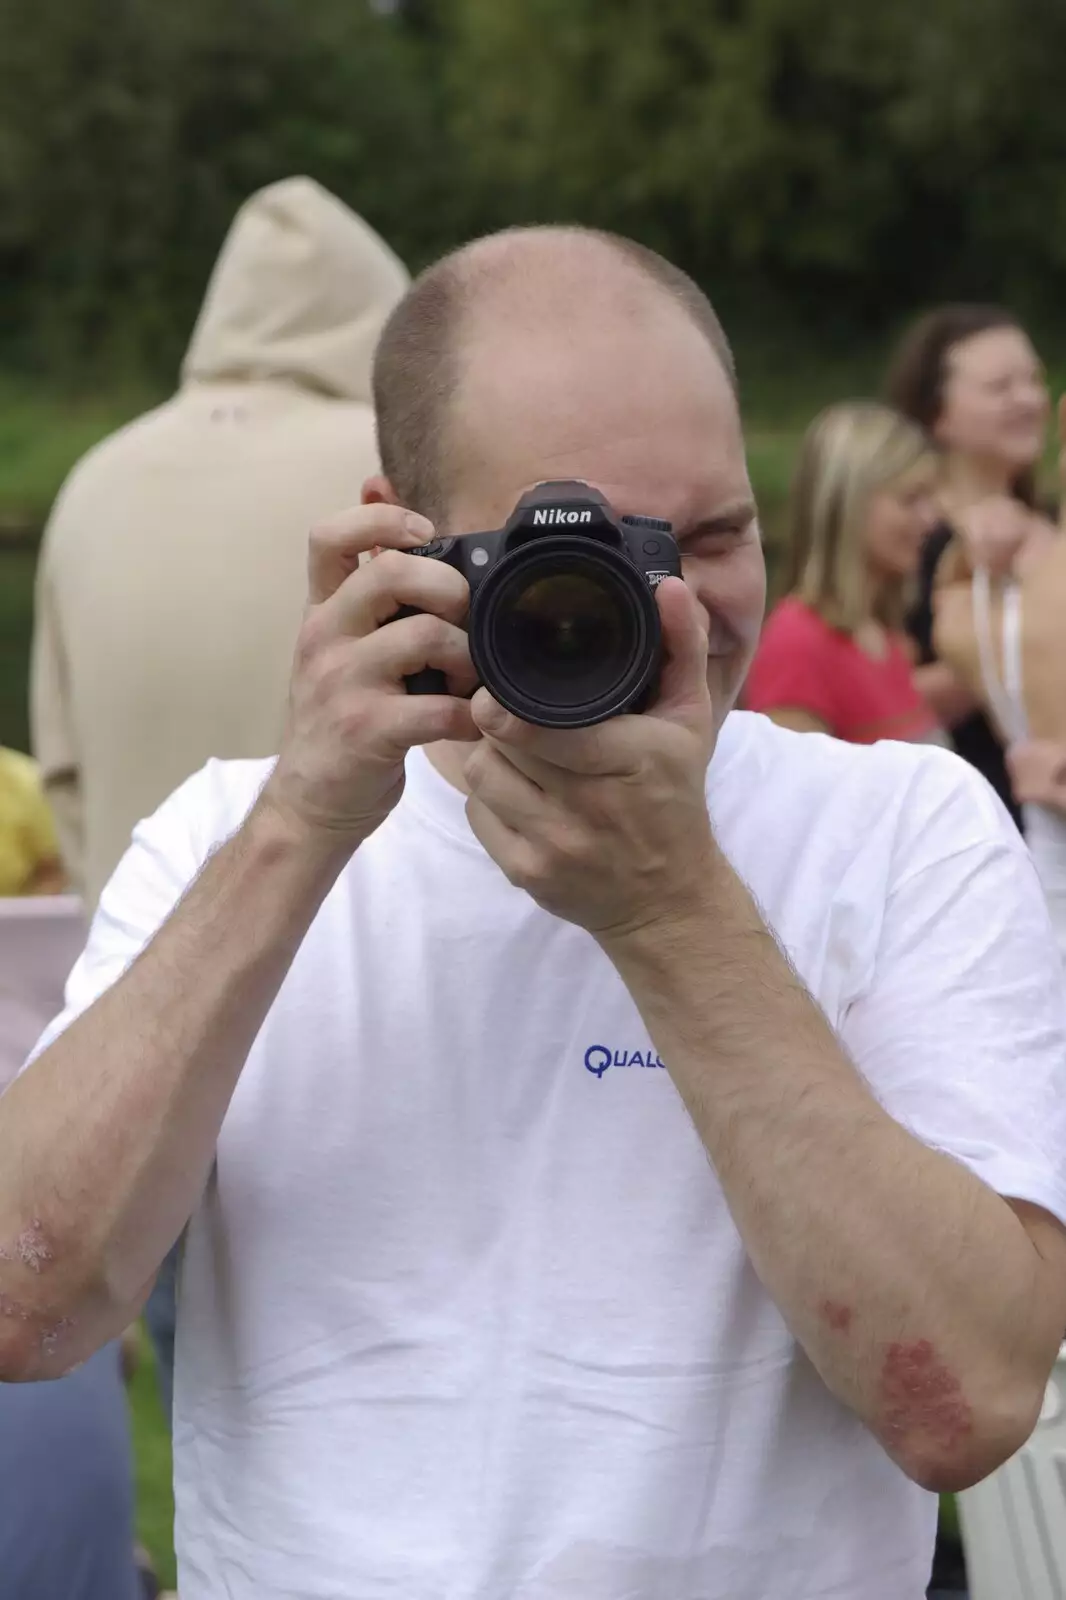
554 515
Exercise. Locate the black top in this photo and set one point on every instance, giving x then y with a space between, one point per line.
974 737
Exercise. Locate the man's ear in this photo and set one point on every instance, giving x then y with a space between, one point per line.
378 491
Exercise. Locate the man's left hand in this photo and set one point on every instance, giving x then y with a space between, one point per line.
1037 770
606 827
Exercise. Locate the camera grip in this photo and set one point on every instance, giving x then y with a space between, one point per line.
430 680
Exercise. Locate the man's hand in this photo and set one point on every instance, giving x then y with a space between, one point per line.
116 1125
993 532
1038 772
351 721
607 826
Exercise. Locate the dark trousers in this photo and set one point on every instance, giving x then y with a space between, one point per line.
160 1315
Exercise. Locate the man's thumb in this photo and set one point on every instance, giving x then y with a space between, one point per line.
683 680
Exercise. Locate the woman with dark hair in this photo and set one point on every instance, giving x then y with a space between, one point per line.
970 376
999 625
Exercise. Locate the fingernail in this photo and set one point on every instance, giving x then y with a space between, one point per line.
488 713
420 529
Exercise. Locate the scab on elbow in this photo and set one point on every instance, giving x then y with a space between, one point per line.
32 1344
19 1347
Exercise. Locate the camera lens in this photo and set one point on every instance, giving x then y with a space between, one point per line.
566 636
562 627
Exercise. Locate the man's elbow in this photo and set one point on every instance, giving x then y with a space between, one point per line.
38 1340
20 1351
950 1461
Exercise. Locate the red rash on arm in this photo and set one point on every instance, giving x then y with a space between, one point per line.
836 1316
922 1396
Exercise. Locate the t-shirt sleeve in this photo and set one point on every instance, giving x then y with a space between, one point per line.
961 1028
164 857
792 670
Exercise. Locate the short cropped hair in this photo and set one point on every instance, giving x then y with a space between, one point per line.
416 366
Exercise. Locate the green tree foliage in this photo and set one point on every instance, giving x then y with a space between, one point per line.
131 129
856 157
842 160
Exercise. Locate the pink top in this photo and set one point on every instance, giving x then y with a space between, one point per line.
802 664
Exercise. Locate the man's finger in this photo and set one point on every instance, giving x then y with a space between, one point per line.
337 544
539 772
605 750
683 689
507 848
500 784
427 719
409 646
372 596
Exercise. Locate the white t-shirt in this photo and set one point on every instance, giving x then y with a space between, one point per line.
463 1314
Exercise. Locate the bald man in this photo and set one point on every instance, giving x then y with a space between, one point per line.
622 1163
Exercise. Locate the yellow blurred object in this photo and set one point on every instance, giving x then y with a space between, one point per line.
29 850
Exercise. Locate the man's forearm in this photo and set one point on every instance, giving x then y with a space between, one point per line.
106 1142
877 1250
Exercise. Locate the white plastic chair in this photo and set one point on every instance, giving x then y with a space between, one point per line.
1013 1524
40 940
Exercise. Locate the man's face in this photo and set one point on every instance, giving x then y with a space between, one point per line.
640 408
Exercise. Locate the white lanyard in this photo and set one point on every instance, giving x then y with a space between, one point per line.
1005 695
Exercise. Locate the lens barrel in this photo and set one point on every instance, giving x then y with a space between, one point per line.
565 632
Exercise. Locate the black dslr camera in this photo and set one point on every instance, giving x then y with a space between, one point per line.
564 629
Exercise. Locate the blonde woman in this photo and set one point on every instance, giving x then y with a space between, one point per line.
832 658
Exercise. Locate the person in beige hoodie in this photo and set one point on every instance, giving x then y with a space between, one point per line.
171 579
172 574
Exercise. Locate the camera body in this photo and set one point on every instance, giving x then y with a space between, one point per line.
564 629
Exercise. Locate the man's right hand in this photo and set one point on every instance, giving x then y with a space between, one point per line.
351 722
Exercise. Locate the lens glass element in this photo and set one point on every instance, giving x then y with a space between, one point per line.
568 633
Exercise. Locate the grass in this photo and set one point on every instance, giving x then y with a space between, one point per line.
151 1446
42 434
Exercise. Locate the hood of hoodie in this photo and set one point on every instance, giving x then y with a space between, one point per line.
300 293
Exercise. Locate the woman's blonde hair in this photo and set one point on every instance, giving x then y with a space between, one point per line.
848 454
